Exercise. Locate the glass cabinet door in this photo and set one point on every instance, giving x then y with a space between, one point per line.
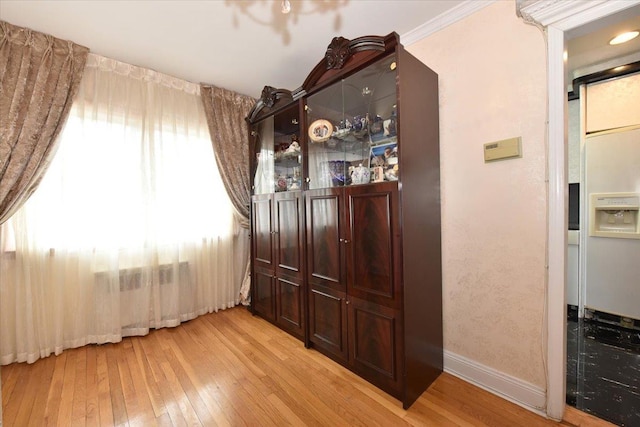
278 152
352 129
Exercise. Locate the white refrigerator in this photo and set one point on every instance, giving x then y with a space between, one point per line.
611 202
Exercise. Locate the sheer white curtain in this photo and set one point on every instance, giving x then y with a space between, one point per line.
131 227
264 180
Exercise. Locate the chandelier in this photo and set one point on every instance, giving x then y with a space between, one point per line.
279 15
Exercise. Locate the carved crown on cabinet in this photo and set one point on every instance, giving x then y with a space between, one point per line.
342 54
270 99
337 53
269 96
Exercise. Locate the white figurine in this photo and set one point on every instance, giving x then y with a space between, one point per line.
293 148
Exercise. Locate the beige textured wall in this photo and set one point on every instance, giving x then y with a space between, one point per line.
492 77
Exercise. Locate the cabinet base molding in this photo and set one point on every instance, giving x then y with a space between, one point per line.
515 390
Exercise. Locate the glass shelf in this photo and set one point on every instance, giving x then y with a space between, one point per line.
352 127
278 153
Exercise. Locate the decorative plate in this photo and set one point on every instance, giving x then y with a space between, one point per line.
281 183
320 130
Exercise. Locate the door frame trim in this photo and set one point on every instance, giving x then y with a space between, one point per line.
558 18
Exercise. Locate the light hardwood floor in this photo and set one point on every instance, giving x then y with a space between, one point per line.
231 368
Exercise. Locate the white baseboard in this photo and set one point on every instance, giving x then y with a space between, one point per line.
520 392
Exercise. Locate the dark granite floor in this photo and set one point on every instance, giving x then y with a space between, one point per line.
603 370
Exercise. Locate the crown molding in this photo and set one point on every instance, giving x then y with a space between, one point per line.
453 15
545 12
563 13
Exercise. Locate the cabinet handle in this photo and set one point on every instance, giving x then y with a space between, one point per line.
345 241
307 179
348 301
341 240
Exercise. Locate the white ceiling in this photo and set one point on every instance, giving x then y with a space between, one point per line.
588 46
245 45
238 45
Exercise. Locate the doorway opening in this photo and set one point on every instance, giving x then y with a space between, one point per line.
559 19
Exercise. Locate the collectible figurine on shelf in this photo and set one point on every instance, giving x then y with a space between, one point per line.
281 183
390 127
377 161
295 182
347 124
294 148
360 174
392 174
378 174
376 126
357 123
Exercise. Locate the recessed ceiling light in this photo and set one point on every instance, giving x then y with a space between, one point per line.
624 37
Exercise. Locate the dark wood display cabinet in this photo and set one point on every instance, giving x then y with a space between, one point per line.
277 244
346 213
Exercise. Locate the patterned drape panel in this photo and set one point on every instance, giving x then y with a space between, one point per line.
39 76
226 111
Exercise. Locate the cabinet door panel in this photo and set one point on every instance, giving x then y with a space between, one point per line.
375 332
327 322
264 294
289 306
324 245
288 233
372 242
262 231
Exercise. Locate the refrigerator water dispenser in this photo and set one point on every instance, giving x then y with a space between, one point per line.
614 215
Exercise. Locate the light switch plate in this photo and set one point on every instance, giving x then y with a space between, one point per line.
502 150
